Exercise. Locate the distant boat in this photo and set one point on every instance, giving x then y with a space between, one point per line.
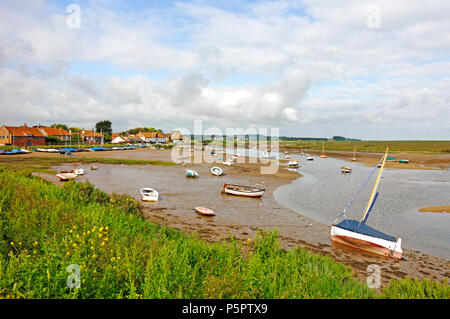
403 161
216 171
228 163
204 211
346 169
25 151
294 163
79 171
358 234
149 194
241 190
309 157
93 168
323 155
191 173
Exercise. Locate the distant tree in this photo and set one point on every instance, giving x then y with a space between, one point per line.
108 138
74 129
52 140
338 138
103 126
63 126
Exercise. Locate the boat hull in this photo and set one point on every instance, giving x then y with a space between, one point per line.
367 243
204 211
235 190
66 176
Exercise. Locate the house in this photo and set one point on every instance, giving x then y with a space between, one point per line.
176 136
151 137
21 136
60 133
91 137
167 137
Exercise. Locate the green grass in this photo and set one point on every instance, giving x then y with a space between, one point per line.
42 164
373 146
45 228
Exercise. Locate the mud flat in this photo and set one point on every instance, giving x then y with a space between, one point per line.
239 216
436 209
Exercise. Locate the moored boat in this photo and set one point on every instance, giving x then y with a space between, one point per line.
294 163
66 175
358 234
191 173
309 157
346 169
204 211
242 190
217 171
149 194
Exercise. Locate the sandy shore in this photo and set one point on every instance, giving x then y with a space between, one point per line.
242 217
416 160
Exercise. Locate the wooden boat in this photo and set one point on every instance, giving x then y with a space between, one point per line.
191 173
93 168
358 234
241 190
294 163
204 211
149 194
346 169
217 171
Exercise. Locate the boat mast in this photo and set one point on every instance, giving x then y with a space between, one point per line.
374 191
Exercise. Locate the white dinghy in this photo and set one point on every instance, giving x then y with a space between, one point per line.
149 194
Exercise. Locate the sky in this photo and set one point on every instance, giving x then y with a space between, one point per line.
315 68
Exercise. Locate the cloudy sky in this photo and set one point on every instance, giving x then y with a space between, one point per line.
374 70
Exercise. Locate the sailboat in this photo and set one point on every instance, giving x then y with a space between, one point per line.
323 155
358 234
354 154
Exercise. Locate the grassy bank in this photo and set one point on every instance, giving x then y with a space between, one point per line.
45 228
42 164
372 146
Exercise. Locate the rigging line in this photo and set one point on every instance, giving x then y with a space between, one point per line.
359 191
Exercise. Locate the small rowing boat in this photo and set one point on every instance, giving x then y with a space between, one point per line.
309 157
204 211
191 173
241 190
149 194
346 169
65 176
228 163
217 171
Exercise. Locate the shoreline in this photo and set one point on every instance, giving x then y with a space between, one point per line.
302 231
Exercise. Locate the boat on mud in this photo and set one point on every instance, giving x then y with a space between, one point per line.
359 235
242 190
149 194
191 173
294 163
65 176
204 211
217 171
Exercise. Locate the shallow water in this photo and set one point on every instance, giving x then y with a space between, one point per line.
323 192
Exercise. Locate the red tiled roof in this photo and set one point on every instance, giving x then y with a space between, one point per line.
53 131
24 131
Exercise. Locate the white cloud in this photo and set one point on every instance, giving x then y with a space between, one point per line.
325 65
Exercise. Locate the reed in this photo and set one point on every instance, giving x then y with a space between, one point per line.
46 228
